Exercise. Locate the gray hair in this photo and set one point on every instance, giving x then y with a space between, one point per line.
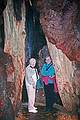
32 59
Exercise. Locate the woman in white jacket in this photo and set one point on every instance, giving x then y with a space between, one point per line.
30 80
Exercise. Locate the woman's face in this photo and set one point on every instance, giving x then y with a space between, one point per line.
32 62
48 60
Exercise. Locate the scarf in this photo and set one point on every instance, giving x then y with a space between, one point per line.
46 78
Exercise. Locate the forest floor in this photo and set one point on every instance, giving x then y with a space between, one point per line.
58 113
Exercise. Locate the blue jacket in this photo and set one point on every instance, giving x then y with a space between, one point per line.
48 71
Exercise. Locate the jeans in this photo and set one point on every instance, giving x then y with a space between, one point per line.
50 96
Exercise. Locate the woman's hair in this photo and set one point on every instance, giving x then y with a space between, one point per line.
32 59
47 57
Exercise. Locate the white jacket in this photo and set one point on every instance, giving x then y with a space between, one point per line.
31 76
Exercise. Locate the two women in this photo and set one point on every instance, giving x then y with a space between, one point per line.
49 81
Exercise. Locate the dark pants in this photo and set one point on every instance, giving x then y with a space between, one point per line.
50 96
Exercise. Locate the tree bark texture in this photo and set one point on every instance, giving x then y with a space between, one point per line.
15 46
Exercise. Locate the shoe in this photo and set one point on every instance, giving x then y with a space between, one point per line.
35 108
33 111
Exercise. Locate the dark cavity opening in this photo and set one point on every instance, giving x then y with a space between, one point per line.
35 38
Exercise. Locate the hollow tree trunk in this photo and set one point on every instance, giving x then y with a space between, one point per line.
65 74
15 46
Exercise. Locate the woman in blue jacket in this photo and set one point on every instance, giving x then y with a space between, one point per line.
49 80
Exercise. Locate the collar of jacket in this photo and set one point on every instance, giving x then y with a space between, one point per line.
32 67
